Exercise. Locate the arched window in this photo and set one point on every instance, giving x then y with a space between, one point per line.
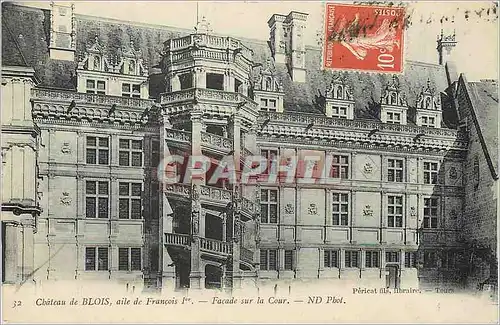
427 103
393 98
269 84
339 92
131 68
97 63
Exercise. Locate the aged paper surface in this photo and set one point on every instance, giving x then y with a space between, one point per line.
199 162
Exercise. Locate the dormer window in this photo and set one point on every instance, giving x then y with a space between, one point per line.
393 118
428 108
97 63
96 87
131 90
339 112
123 75
268 104
428 121
393 104
339 101
268 91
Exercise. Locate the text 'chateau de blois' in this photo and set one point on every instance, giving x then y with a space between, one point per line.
92 106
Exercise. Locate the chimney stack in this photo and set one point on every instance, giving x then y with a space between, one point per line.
287 42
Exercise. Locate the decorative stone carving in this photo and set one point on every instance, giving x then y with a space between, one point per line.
453 172
413 212
368 168
65 199
66 148
312 209
289 208
367 211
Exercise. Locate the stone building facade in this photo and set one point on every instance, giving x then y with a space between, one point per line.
97 105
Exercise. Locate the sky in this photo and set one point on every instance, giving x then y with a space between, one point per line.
476 53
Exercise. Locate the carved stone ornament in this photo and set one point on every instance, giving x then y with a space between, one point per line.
368 211
65 198
368 168
289 208
195 222
312 209
453 213
453 173
413 212
66 148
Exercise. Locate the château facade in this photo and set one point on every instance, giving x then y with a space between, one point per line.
93 107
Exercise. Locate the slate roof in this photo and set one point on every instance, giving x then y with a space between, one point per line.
34 24
484 97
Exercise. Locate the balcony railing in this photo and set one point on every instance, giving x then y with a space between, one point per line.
315 120
215 194
216 141
249 206
178 135
178 189
177 239
216 246
208 95
211 41
84 98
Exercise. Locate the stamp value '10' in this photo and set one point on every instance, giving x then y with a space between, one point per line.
363 38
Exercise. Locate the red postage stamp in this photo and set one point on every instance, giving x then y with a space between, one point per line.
364 38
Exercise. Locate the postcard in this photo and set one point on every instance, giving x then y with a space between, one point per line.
249 162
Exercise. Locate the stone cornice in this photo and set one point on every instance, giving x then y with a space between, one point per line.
358 132
70 105
48 123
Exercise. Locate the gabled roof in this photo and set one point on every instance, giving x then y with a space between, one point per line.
483 97
34 24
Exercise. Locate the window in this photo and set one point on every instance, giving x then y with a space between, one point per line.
393 118
392 257
130 153
410 259
96 199
340 112
130 200
98 150
288 259
340 209
129 259
430 259
271 157
448 260
96 259
237 86
395 170
395 211
351 259
96 86
430 212
186 80
428 121
131 90
331 258
155 153
268 105
430 172
268 259
372 259
340 166
215 81
269 206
